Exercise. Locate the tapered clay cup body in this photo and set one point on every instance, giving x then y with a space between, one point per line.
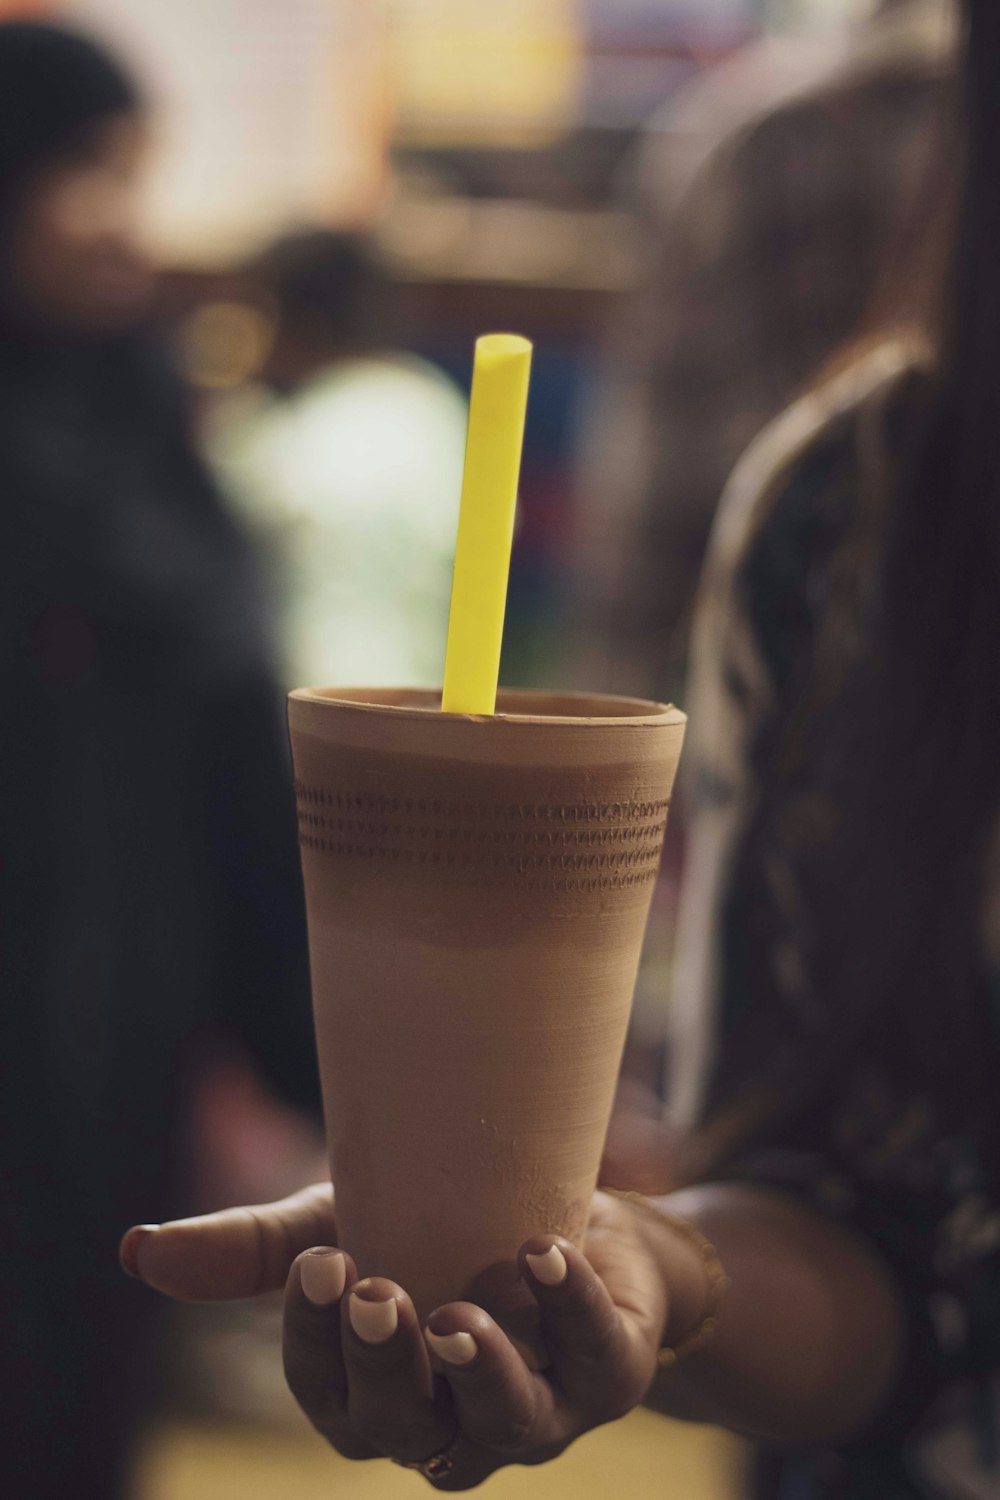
477 891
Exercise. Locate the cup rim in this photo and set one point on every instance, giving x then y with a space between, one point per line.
617 709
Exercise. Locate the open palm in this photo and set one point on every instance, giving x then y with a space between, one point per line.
408 1395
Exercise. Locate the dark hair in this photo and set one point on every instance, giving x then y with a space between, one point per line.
55 86
880 784
325 286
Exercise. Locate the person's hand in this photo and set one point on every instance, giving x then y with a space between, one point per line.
643 1153
456 1399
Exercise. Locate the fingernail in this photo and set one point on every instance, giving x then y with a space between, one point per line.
453 1348
323 1275
128 1250
374 1322
549 1268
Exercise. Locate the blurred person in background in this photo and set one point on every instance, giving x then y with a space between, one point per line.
778 194
772 193
832 1285
347 458
149 891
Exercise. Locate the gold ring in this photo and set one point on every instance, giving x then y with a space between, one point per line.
438 1466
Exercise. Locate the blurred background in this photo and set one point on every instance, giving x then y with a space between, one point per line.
685 205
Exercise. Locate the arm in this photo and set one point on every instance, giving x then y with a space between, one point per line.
806 1349
811 1335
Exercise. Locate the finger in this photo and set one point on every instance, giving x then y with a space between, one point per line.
239 1252
498 1402
392 1401
311 1344
641 1152
598 1355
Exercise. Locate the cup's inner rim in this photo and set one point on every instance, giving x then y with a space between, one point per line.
513 704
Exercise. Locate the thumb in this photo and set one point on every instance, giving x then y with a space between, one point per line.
239 1252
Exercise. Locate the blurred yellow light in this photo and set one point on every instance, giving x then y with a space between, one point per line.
474 72
225 344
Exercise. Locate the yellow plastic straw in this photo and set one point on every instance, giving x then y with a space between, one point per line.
486 523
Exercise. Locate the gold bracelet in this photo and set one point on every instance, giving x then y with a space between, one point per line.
717 1281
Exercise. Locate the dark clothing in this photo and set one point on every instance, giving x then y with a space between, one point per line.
149 886
845 1118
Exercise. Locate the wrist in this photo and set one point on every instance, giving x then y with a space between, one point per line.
693 1279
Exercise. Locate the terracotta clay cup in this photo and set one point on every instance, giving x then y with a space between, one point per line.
477 890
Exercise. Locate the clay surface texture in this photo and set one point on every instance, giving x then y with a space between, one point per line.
477 892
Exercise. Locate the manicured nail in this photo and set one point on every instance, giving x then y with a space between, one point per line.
453 1348
323 1275
374 1322
128 1250
549 1268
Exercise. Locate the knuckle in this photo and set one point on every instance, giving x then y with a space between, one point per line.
320 1411
589 1293
304 1386
370 1426
584 1308
586 1328
625 1394
370 1359
374 1363
504 1427
544 1454
403 1436
348 1445
311 1389
589 1310
506 1437
620 1404
274 1245
306 1342
315 1406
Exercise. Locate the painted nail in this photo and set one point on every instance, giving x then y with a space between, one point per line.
323 1275
550 1268
374 1322
453 1348
128 1250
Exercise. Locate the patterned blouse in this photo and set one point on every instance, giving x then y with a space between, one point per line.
872 1150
